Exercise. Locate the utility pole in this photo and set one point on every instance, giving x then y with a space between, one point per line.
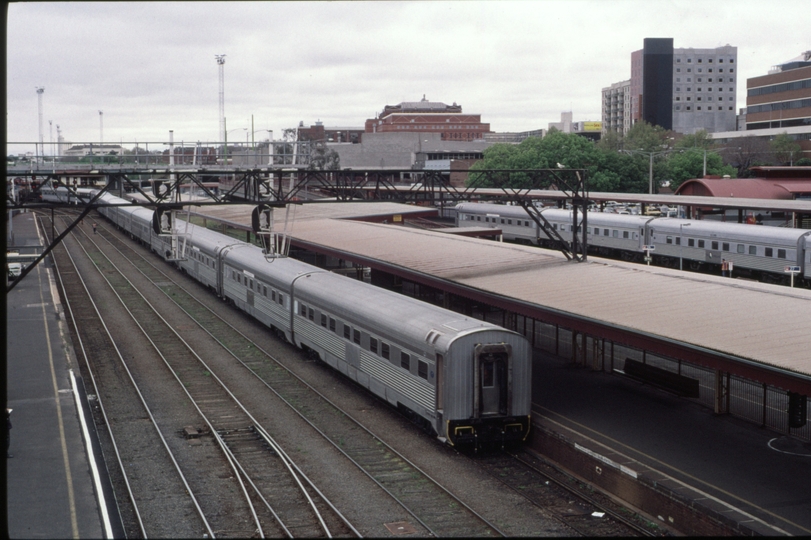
101 131
221 62
40 91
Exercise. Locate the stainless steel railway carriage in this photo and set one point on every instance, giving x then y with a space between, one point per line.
755 251
466 380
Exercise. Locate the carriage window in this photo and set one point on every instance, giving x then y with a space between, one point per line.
405 361
347 331
422 369
769 252
356 336
606 232
303 310
251 285
384 350
487 375
323 320
781 253
625 234
264 291
281 299
509 222
678 240
669 239
311 314
691 242
752 250
741 248
701 243
332 324
725 246
273 295
714 244
616 234
373 345
502 220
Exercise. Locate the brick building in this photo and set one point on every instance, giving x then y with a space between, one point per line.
782 98
429 117
319 132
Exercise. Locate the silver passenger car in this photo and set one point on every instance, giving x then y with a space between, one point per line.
466 380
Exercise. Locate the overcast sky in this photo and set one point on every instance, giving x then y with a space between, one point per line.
150 67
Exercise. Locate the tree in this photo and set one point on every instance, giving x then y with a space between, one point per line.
606 170
689 164
745 153
699 139
646 137
786 150
323 159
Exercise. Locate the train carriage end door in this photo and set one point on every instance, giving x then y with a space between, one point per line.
492 394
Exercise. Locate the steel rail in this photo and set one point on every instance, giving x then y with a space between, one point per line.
145 405
66 301
286 460
327 400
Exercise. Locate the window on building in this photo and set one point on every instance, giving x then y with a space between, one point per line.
699 107
689 60
678 70
731 60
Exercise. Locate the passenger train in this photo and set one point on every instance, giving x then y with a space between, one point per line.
465 380
759 252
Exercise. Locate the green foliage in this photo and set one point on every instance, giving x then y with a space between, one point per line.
646 137
689 164
803 162
785 149
606 170
699 139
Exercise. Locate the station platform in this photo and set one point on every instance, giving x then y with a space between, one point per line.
52 482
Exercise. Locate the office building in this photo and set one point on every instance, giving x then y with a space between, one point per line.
685 90
782 98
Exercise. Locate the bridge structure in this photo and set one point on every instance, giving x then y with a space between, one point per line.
273 187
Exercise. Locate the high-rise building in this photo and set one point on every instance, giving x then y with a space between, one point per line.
782 98
685 89
617 108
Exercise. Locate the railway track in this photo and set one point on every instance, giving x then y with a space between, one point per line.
431 508
584 511
435 508
279 499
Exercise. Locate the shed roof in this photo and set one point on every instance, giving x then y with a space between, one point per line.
749 188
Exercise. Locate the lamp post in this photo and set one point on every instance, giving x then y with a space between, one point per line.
650 155
681 246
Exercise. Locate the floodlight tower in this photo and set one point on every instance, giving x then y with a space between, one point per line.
40 91
221 62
